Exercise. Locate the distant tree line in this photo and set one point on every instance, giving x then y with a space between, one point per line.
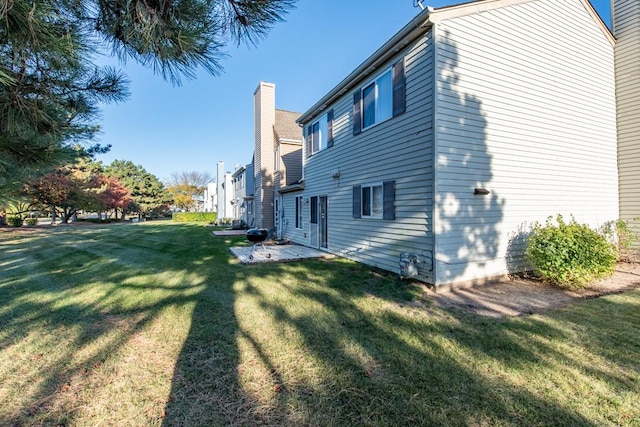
88 186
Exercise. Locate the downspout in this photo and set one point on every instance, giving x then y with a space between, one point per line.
435 215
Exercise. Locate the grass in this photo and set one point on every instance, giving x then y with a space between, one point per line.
156 324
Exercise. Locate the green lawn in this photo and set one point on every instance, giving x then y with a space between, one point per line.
156 324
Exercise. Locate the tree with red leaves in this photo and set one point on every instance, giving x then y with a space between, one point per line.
62 191
110 194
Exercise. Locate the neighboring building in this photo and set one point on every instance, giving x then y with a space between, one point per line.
277 155
224 191
436 154
242 182
210 197
287 161
238 202
626 28
249 211
238 182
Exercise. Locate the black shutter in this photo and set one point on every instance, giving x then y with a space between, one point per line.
399 88
330 128
357 201
307 140
357 115
388 200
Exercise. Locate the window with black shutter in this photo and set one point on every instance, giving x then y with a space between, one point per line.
380 99
375 201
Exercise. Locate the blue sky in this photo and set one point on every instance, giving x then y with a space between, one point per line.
170 129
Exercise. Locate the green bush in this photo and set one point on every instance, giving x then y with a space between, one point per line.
14 221
570 255
31 221
622 233
208 217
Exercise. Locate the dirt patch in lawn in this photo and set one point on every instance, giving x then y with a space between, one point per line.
521 296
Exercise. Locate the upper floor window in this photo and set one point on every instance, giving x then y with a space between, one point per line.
239 184
319 135
377 100
380 99
276 159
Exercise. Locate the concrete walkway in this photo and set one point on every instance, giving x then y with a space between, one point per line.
276 253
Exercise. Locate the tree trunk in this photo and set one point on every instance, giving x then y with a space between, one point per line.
53 215
67 214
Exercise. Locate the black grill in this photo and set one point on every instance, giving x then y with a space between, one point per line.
257 236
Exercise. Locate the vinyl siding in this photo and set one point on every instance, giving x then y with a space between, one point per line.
626 18
400 150
525 108
289 230
290 163
264 119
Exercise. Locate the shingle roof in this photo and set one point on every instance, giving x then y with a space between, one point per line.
286 126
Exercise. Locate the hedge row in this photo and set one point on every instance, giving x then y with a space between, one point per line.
209 217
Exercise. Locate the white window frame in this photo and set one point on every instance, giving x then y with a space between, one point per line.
371 206
321 140
377 119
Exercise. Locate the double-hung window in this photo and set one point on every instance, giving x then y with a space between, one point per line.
380 99
319 134
377 100
372 201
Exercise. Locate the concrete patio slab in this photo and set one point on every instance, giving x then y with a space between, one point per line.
229 232
276 253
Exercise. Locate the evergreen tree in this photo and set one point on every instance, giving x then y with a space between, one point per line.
50 87
49 90
147 192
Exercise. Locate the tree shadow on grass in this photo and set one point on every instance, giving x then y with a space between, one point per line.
334 343
305 343
78 304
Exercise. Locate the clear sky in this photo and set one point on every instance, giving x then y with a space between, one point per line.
170 129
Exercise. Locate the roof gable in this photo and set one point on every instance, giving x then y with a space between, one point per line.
478 6
286 127
420 24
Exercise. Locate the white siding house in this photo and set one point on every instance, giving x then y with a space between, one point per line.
468 125
626 27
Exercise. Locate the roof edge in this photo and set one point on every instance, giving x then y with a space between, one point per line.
425 19
479 6
298 186
408 33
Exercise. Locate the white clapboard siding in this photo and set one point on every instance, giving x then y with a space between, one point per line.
399 149
525 108
626 27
